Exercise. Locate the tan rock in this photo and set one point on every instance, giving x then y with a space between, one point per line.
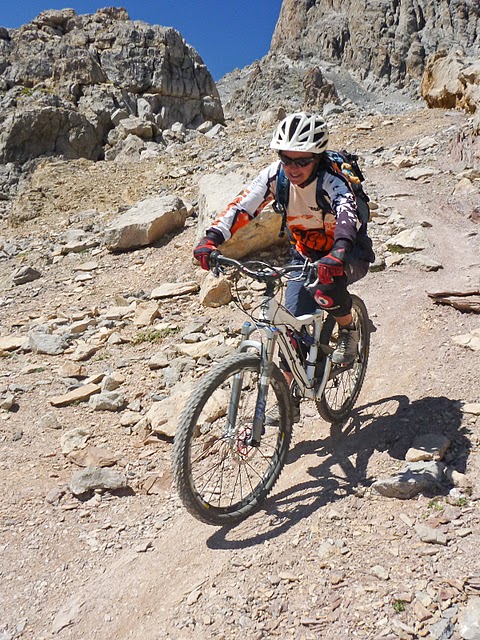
71 370
172 289
430 446
215 292
199 349
12 342
145 314
93 457
77 395
441 86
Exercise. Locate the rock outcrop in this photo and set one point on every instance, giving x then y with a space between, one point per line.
69 81
390 40
452 81
361 46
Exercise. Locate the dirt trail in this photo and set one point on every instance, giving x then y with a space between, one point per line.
307 565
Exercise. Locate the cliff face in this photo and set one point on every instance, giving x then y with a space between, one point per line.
389 40
67 80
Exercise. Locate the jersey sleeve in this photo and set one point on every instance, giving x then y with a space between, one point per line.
247 205
343 205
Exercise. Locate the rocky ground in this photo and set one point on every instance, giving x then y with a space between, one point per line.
329 556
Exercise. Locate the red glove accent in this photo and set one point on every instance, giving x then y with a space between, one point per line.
331 266
202 252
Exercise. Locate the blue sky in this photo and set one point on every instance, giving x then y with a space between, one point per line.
227 34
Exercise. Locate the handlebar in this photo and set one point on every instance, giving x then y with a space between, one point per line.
263 272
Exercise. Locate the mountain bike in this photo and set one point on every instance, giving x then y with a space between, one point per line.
227 457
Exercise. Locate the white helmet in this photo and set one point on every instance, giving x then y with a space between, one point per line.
301 132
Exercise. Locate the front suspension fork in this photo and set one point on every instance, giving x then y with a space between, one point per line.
266 354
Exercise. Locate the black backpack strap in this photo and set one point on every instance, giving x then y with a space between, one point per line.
282 195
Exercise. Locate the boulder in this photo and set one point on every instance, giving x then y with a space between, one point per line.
451 81
215 192
145 223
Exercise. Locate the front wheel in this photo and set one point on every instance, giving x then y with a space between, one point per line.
345 383
220 477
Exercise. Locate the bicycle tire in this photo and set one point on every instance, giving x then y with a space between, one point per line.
342 389
219 478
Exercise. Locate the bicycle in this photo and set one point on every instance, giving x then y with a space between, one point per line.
226 459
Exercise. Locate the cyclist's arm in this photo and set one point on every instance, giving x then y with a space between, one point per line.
245 207
344 207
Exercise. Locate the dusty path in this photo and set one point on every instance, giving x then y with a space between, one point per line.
328 557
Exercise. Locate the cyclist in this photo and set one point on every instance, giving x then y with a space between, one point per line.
330 235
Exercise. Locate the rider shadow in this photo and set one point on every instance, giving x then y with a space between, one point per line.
388 426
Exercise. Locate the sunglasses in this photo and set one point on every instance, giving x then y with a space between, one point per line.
297 162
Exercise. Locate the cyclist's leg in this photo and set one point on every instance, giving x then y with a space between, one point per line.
335 297
298 301
337 301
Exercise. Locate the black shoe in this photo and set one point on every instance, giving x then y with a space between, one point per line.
347 344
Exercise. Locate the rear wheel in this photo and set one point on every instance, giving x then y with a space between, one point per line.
220 477
345 383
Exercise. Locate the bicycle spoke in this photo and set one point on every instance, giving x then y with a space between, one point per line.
224 473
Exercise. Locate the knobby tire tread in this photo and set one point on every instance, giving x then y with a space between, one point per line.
328 413
186 430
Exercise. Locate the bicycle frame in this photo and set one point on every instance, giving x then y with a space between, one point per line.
273 321
276 321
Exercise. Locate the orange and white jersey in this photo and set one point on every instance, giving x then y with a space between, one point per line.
312 227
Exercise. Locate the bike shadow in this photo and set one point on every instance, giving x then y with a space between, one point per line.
388 425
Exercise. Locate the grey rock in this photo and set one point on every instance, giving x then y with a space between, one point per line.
424 262
7 402
68 81
55 495
48 421
109 383
107 401
330 109
78 240
397 53
158 361
469 620
67 616
415 478
137 127
92 478
73 440
43 130
25 274
128 149
429 446
215 191
408 240
430 535
441 630
50 344
419 173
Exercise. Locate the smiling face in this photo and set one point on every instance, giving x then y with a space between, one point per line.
296 173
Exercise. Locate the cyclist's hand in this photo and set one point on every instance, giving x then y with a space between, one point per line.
202 252
331 265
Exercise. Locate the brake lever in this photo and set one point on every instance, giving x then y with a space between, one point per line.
214 266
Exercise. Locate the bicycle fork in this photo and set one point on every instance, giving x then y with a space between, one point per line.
266 354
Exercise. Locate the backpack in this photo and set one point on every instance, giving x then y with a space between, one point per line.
341 162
